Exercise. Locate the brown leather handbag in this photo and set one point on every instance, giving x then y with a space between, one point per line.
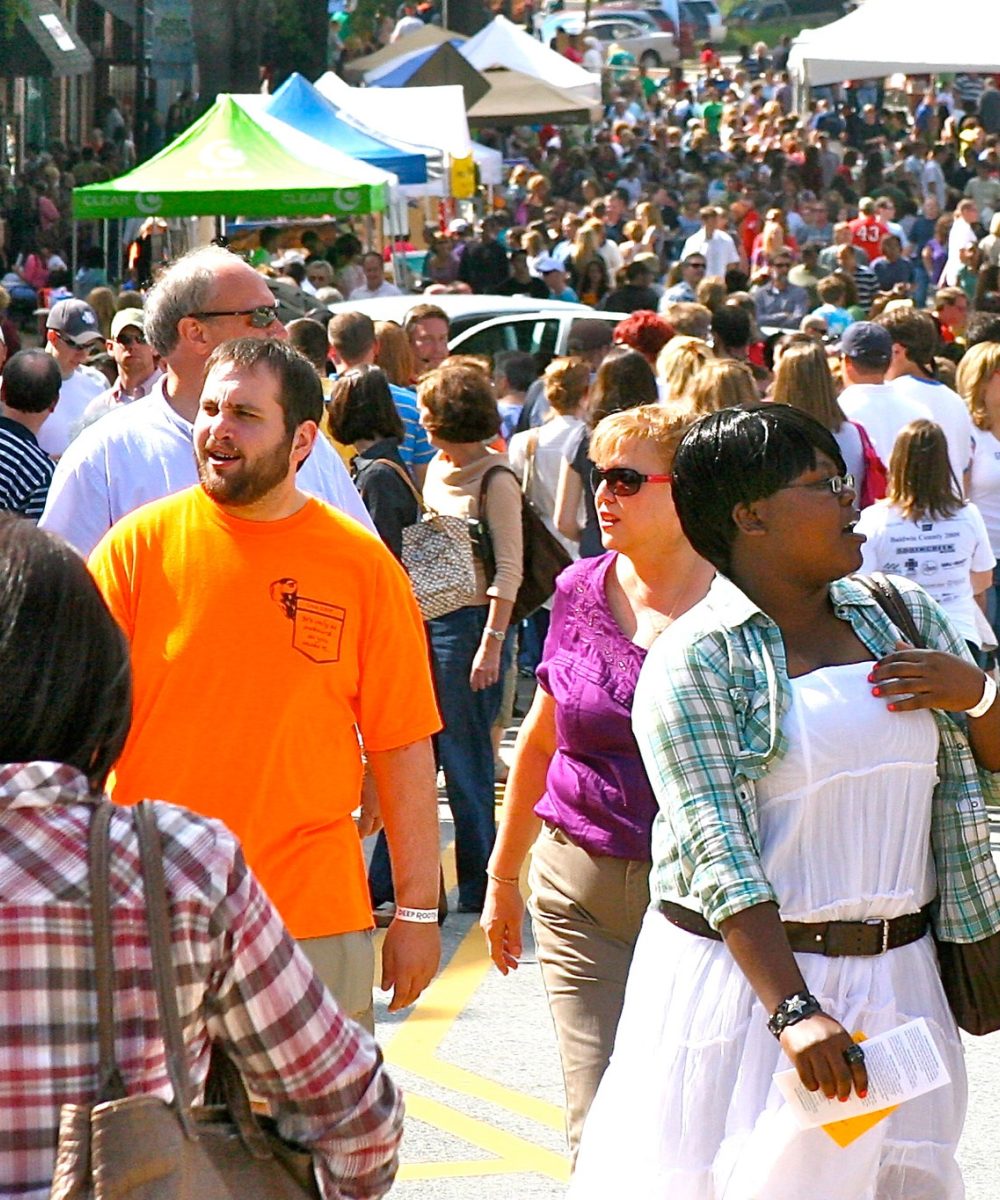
144 1148
970 971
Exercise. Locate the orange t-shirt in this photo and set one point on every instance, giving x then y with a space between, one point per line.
258 649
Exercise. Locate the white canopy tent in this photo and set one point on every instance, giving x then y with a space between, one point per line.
503 44
886 37
438 113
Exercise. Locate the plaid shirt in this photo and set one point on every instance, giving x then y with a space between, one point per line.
241 978
708 715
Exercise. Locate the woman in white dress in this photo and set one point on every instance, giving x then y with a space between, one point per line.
819 800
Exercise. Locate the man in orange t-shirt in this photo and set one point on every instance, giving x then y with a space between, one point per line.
267 631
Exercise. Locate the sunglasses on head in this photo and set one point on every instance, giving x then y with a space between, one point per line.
623 481
260 317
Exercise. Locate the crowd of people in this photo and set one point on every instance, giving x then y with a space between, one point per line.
734 765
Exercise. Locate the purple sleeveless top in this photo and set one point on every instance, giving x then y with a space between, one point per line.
596 790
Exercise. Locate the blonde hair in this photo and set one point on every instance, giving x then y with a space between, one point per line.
723 383
802 379
679 363
533 242
650 216
978 365
566 381
102 301
394 355
649 424
712 292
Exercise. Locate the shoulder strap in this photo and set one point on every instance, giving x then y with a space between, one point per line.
531 446
485 483
890 600
405 476
110 1085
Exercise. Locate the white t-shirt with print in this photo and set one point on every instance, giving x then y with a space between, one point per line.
938 553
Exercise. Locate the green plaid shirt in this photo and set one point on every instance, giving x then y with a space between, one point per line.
708 713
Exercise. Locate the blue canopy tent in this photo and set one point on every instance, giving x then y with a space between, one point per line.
299 104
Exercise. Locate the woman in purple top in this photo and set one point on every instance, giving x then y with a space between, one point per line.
577 784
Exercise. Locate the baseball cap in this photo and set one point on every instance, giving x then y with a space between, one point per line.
133 317
546 264
75 321
866 340
458 225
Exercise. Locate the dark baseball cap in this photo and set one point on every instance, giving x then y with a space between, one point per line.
75 321
868 341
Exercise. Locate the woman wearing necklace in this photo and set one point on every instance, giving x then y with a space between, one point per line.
577 795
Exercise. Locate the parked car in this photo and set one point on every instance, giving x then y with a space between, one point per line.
755 11
704 19
639 32
488 324
651 47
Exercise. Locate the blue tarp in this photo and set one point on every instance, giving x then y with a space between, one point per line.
299 104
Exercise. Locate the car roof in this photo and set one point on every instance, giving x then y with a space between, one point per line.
395 308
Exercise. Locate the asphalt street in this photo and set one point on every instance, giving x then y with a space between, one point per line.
477 1059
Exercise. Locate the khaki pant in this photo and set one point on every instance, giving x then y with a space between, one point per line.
346 964
586 912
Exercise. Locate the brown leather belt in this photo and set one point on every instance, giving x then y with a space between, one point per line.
835 939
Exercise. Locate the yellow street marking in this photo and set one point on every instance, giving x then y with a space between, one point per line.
414 1047
518 1154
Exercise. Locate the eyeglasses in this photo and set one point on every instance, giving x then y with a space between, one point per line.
623 481
131 339
260 317
835 484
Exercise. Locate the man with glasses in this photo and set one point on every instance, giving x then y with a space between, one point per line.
684 292
71 332
779 303
138 368
143 451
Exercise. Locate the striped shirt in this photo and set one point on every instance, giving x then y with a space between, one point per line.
241 981
25 470
415 450
708 713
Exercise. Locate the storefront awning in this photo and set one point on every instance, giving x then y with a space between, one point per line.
44 42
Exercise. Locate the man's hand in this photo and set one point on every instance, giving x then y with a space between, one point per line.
410 956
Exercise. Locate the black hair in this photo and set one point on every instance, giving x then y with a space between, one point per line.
308 336
31 381
624 380
518 367
984 327
737 456
300 392
361 407
67 694
731 326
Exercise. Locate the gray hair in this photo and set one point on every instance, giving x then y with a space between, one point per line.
181 290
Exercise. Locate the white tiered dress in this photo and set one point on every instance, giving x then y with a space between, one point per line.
687 1109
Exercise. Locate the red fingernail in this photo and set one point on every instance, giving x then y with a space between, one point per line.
876 691
842 1099
891 707
871 677
863 1094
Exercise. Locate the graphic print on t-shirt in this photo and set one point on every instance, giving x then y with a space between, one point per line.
317 625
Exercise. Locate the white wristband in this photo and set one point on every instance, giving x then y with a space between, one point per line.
985 700
419 916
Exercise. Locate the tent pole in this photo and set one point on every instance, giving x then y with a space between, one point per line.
105 239
73 251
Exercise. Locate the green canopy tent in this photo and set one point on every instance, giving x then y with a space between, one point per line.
228 163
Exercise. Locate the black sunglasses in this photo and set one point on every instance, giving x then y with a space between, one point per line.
130 339
260 317
623 481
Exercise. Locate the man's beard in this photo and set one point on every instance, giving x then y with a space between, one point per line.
247 483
